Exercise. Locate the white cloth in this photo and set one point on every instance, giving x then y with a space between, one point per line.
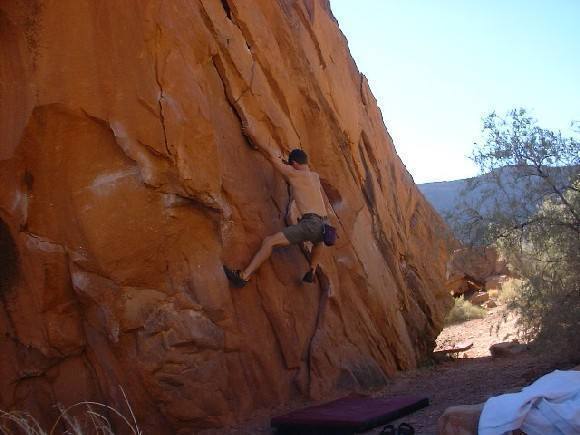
549 406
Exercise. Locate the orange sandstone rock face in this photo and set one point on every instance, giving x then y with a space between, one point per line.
126 183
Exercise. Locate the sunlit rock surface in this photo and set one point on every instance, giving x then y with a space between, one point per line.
126 183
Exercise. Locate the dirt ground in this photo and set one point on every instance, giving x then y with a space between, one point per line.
469 378
498 326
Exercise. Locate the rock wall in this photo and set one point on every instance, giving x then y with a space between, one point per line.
126 183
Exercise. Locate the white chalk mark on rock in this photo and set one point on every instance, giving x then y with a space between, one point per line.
104 182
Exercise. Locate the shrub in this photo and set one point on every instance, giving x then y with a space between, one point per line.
462 311
509 291
533 217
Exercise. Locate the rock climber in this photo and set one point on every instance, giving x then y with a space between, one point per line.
307 193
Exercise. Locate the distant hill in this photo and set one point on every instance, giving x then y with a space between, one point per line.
445 196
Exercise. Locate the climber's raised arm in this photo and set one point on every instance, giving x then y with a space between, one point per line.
276 159
269 151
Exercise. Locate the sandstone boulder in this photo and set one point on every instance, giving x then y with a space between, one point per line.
478 263
458 285
479 298
475 269
507 349
490 304
494 282
126 182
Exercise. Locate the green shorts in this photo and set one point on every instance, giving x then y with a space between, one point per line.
310 228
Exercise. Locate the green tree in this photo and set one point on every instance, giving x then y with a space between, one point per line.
527 204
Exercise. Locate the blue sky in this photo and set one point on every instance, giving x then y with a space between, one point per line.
437 67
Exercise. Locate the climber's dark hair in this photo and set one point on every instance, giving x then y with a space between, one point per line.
298 156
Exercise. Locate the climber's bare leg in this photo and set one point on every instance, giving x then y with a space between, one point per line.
269 243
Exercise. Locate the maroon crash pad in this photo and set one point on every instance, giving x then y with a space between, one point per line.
356 413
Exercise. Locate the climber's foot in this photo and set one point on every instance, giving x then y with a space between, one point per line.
235 277
309 276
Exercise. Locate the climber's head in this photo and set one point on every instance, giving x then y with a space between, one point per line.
298 158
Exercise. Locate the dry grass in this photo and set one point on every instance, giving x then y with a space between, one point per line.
509 290
462 311
92 421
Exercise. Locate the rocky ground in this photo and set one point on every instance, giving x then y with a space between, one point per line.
499 325
470 378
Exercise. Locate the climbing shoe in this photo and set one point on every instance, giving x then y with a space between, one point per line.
388 430
309 276
235 277
405 429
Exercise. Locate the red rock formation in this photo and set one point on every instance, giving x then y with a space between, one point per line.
126 183
473 269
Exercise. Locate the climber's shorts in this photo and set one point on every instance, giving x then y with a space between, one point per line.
310 228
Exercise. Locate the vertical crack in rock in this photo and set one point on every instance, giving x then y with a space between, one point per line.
324 286
249 87
236 108
364 139
272 82
227 8
306 23
363 91
219 68
161 98
273 200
